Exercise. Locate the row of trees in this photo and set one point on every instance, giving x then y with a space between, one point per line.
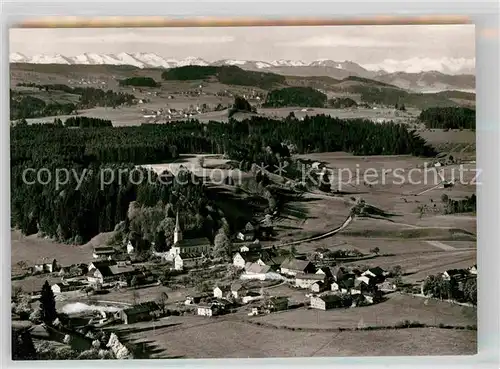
450 289
467 205
449 118
84 122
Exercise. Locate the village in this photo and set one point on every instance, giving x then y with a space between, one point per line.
260 280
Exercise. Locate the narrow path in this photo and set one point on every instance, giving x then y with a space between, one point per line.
441 245
321 236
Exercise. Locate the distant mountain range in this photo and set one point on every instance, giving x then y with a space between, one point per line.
432 75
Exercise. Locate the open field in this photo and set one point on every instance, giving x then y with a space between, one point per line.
192 337
33 249
395 309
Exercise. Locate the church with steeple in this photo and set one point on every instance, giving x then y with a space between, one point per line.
188 247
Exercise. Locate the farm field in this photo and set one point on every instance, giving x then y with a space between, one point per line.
193 337
395 309
32 249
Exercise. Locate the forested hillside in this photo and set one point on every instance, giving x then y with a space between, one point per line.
449 118
295 96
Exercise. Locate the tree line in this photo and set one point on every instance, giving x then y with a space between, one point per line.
78 210
23 105
226 74
449 118
467 205
139 81
295 96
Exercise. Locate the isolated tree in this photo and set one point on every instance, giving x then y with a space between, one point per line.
134 282
222 245
135 297
201 161
470 290
397 270
22 264
160 241
375 250
48 303
162 301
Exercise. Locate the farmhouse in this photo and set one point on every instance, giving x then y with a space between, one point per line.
456 274
237 290
363 279
108 272
46 267
319 286
376 273
334 287
270 258
253 246
250 296
221 291
240 259
103 252
61 287
254 268
294 266
191 246
187 261
139 313
386 286
245 236
326 302
307 280
210 309
473 270
326 271
276 303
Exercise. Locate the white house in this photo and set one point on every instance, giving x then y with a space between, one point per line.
220 292
363 278
334 286
307 280
205 310
178 263
130 247
237 290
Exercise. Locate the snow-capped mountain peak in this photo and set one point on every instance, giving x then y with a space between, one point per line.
152 60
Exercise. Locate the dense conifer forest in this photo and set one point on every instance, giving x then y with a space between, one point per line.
76 213
449 118
23 106
229 75
139 81
295 96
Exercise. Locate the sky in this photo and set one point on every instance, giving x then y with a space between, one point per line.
361 44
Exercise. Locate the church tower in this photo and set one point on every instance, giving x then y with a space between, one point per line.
177 230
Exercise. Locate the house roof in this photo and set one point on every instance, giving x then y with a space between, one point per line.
329 298
191 242
271 257
104 249
456 272
248 256
295 264
236 286
326 270
256 268
377 271
278 299
310 276
142 308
